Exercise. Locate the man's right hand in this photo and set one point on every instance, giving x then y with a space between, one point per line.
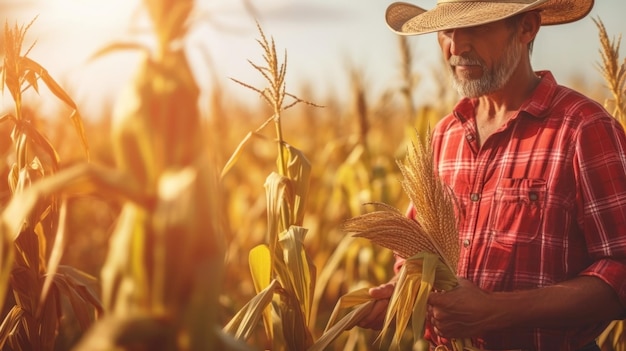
376 317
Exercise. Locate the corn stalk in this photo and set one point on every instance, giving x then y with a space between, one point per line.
32 279
283 274
162 276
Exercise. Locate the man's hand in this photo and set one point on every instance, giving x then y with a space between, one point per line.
462 312
376 317
467 311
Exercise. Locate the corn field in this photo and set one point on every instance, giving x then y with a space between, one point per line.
168 227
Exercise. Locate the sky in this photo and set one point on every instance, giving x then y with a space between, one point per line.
321 39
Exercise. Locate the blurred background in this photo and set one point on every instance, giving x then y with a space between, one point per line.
323 38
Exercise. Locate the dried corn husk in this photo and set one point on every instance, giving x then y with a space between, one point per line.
429 243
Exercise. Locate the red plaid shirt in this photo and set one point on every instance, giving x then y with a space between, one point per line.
542 200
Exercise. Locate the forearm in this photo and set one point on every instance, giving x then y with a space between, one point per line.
573 303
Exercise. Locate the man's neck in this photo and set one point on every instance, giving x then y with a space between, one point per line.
494 110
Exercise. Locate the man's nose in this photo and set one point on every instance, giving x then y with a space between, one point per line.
459 42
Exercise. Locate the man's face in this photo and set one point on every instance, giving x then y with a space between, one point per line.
481 59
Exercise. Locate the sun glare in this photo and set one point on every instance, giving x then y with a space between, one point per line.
65 33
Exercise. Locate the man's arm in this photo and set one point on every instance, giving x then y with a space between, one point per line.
467 311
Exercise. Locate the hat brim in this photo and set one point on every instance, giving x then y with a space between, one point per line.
407 19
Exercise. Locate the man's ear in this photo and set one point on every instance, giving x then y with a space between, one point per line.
529 25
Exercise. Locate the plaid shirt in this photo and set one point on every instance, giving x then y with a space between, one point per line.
542 200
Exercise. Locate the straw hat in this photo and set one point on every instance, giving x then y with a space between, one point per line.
407 19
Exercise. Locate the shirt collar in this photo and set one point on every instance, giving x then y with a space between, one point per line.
537 105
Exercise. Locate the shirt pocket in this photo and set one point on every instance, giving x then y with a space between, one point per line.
517 212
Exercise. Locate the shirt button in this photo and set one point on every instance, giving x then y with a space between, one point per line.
469 137
533 196
474 197
466 243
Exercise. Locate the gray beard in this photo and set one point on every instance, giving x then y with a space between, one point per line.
492 79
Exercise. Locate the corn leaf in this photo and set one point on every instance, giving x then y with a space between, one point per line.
363 308
243 323
7 256
132 134
295 331
349 300
117 46
613 337
400 303
418 318
260 262
81 311
226 342
300 270
299 171
417 278
353 179
131 331
7 117
237 153
184 245
31 78
10 323
55 254
81 179
41 141
55 88
277 189
123 275
49 321
328 270
85 285
172 255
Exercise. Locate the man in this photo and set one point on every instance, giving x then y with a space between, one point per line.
539 172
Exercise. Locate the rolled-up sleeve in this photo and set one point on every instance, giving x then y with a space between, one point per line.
613 273
602 165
